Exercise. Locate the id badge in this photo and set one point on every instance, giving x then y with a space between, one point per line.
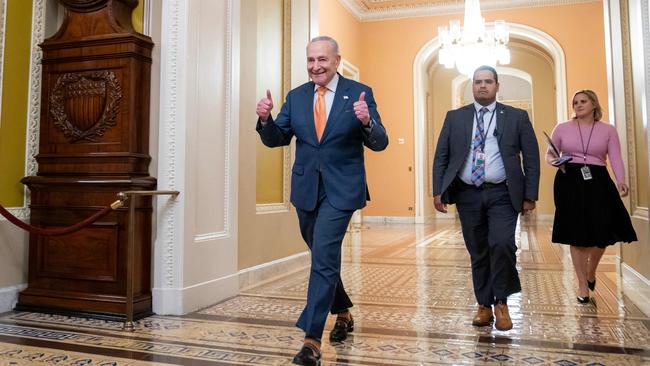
480 158
586 173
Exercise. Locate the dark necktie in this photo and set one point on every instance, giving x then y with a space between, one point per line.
478 147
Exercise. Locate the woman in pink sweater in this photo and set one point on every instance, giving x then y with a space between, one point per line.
589 213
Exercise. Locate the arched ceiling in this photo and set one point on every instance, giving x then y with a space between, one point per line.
368 10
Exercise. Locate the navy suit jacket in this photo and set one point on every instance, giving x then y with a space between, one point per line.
517 145
338 157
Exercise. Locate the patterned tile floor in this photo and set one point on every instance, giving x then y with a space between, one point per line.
413 306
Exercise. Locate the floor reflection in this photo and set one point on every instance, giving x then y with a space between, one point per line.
411 285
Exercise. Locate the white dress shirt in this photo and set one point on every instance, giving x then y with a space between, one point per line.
494 170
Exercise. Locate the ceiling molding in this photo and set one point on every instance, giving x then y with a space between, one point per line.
374 10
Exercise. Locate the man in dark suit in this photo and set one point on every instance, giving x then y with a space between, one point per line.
478 166
332 119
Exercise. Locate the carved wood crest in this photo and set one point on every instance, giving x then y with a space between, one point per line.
84 105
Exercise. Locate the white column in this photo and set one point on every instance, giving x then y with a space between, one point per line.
195 250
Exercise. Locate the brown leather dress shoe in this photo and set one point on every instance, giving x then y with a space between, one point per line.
503 321
483 316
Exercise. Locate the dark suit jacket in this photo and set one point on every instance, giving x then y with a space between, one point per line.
338 158
516 140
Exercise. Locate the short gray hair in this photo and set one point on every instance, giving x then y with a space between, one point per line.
329 39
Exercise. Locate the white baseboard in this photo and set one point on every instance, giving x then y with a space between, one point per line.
9 296
179 301
636 287
167 301
265 272
389 219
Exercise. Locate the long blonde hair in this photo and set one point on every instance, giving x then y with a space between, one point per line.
598 110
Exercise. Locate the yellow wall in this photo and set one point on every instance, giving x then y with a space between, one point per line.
389 48
137 17
15 89
262 237
270 161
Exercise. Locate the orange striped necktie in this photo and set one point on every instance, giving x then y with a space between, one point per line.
320 114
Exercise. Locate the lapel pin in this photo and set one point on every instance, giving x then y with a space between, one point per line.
501 111
345 97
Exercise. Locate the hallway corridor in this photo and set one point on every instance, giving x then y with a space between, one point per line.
411 285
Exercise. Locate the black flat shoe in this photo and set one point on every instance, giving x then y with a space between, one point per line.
307 356
341 329
583 300
591 285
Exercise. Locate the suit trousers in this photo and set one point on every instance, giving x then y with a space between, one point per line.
488 222
323 230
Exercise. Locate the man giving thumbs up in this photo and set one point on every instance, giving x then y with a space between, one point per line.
329 180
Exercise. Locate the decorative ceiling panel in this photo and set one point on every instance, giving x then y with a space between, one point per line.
368 10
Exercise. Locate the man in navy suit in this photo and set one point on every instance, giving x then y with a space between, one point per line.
478 166
332 118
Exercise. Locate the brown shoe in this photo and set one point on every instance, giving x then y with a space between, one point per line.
483 316
503 317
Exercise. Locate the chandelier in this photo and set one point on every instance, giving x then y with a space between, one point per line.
475 43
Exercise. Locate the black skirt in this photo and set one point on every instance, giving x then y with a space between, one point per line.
589 213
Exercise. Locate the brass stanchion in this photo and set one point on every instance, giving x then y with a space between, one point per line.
128 324
130 251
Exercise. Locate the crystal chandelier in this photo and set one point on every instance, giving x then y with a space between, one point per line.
474 44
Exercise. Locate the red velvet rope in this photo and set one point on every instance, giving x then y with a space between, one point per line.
58 231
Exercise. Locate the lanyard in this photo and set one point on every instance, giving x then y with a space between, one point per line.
584 149
485 130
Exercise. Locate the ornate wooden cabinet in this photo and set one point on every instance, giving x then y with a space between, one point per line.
94 143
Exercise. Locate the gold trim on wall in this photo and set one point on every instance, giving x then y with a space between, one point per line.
629 109
645 25
640 153
286 87
431 147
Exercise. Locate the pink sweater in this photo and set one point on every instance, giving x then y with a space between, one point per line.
604 142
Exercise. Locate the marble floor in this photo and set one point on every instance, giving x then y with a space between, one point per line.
411 286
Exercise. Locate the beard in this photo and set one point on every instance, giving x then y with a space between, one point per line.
484 100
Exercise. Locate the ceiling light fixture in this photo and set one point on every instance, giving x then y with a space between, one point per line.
475 43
